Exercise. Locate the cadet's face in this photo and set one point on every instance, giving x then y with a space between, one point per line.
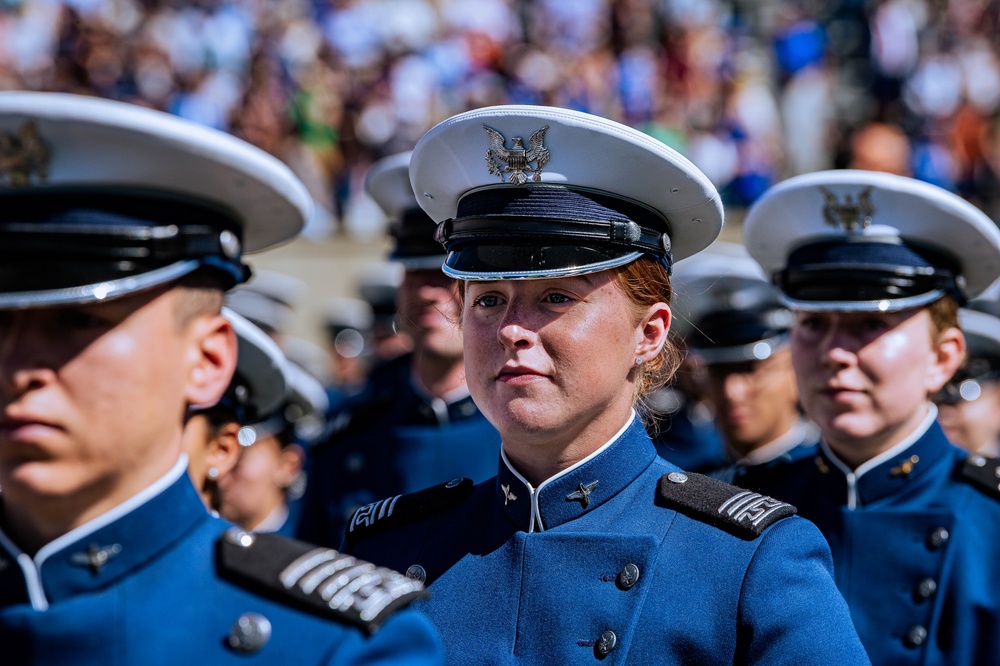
255 487
755 401
428 306
90 396
545 359
864 378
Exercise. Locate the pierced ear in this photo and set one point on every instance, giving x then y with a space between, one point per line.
652 332
290 465
212 346
948 354
224 450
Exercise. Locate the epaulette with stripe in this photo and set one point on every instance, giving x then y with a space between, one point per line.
983 473
320 580
377 517
741 512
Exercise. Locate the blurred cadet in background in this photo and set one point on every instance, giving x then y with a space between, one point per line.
969 404
415 424
740 334
270 300
378 285
256 390
263 491
347 327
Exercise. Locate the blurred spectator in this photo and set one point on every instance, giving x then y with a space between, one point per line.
752 92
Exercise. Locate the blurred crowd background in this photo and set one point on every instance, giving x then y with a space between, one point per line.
751 91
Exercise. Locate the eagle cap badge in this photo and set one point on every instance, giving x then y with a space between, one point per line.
23 155
849 214
517 160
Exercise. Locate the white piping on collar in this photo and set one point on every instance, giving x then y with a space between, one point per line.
274 520
439 405
536 515
777 447
868 465
31 567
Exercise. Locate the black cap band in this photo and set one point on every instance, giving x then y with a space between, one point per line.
59 239
415 237
846 271
558 215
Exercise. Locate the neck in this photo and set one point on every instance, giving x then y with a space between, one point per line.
33 519
541 456
856 451
438 375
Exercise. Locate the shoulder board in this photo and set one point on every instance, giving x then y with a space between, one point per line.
983 473
319 580
741 512
391 512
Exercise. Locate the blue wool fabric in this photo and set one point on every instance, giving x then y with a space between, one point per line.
523 578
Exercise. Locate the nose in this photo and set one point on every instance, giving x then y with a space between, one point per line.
734 386
514 333
21 365
836 348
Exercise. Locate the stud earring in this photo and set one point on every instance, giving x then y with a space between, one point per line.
638 361
213 473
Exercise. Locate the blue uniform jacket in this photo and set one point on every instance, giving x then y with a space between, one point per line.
391 440
595 565
145 589
916 547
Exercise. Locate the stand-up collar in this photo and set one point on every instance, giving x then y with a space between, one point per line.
105 549
578 489
887 473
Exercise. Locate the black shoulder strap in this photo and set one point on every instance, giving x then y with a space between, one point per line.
983 473
385 514
320 580
743 513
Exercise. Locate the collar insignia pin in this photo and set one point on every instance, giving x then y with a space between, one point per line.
517 159
507 495
904 468
582 494
94 558
22 156
849 214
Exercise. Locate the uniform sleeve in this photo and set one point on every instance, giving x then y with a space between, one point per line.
408 637
790 609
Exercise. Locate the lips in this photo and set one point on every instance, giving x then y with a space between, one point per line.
518 374
23 429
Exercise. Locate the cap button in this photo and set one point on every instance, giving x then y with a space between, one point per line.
250 633
937 538
417 573
915 637
238 537
628 576
926 589
605 644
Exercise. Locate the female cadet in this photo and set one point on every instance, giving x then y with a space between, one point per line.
255 391
586 545
874 266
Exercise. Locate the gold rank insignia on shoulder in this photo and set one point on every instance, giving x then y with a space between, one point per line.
23 155
848 214
517 159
